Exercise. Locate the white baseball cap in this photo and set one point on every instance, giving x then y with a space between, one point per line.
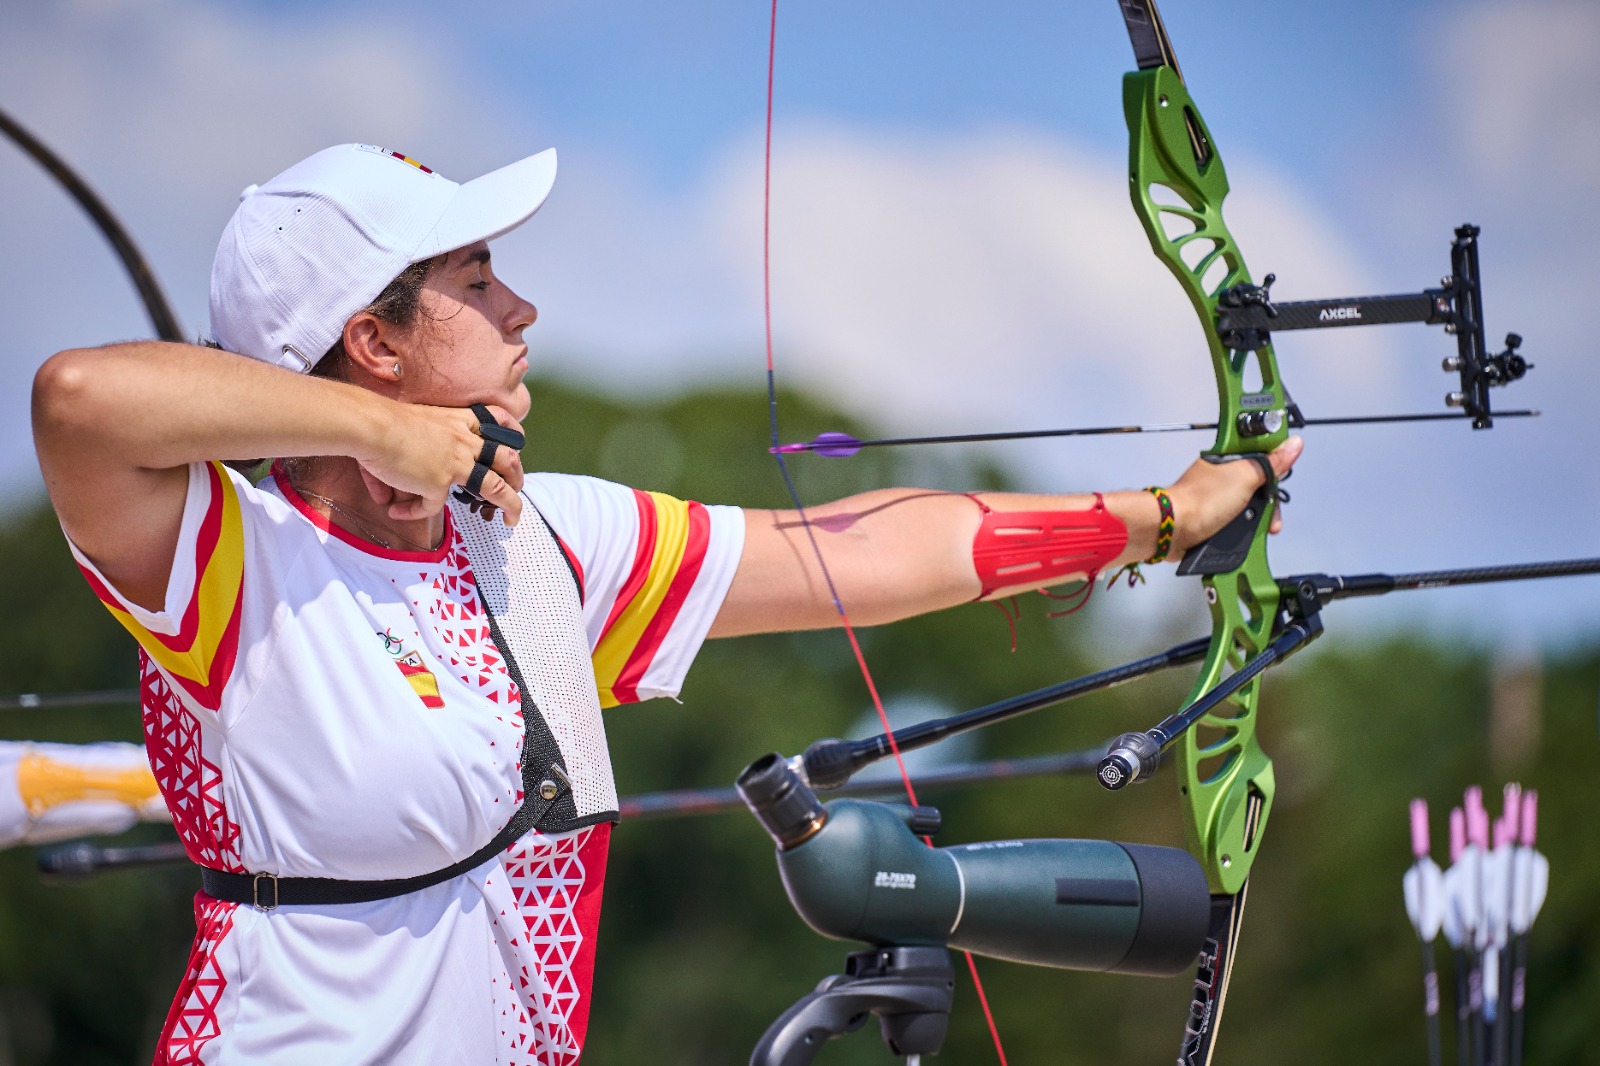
320 241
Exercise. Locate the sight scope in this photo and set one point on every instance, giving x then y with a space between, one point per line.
855 870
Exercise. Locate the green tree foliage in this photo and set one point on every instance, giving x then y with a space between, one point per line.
699 949
86 968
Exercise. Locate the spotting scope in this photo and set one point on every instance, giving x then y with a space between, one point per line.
856 870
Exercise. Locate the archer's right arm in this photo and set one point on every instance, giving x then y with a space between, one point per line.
116 428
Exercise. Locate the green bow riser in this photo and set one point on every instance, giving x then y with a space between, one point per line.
1226 778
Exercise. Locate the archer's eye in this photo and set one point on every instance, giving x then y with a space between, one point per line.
481 286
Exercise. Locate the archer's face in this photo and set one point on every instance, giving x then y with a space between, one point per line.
466 346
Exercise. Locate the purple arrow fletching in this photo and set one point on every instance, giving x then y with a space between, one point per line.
1530 817
1458 833
834 445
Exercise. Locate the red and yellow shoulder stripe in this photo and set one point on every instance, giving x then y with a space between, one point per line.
673 536
200 656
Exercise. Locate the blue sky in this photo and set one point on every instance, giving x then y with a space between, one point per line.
952 246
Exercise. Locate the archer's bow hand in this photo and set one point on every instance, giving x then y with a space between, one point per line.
1209 495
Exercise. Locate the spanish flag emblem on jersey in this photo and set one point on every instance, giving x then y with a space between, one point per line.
421 680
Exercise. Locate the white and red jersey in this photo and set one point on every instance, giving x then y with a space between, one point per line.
318 705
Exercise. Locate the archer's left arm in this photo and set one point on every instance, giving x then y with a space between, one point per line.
895 553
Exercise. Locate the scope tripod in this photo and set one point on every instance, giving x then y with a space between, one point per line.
908 989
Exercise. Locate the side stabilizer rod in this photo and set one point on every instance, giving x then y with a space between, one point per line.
1135 756
830 763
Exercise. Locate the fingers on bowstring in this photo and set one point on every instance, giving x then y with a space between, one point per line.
508 464
498 486
500 450
498 493
497 479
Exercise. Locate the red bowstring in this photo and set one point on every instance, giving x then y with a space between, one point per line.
794 495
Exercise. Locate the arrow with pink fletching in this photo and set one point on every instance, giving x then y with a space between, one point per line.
1530 881
1425 906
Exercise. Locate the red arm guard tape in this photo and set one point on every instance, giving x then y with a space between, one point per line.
1034 548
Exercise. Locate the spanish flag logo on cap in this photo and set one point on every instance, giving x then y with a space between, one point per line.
407 159
394 155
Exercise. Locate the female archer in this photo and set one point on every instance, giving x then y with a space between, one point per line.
373 709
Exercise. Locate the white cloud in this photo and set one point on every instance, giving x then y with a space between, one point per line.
998 280
1525 105
632 294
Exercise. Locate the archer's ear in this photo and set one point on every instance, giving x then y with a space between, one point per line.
367 342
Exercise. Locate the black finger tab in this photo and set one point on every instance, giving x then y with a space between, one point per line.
511 438
474 485
489 429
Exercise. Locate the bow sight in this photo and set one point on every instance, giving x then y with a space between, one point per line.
1246 316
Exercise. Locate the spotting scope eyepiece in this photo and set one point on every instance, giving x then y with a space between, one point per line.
854 870
781 802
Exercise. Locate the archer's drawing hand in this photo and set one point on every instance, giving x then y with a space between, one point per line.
1209 495
425 451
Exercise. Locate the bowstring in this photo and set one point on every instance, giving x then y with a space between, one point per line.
799 507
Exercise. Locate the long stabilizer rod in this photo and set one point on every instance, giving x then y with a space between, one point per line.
1136 756
1334 587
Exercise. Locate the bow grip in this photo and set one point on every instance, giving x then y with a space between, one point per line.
1225 550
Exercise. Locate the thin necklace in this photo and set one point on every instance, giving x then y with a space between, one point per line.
354 519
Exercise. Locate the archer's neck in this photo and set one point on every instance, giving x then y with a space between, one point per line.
339 479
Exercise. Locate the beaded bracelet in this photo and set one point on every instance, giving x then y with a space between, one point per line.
1164 531
1167 527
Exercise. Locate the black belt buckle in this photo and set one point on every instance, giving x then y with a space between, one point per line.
255 891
